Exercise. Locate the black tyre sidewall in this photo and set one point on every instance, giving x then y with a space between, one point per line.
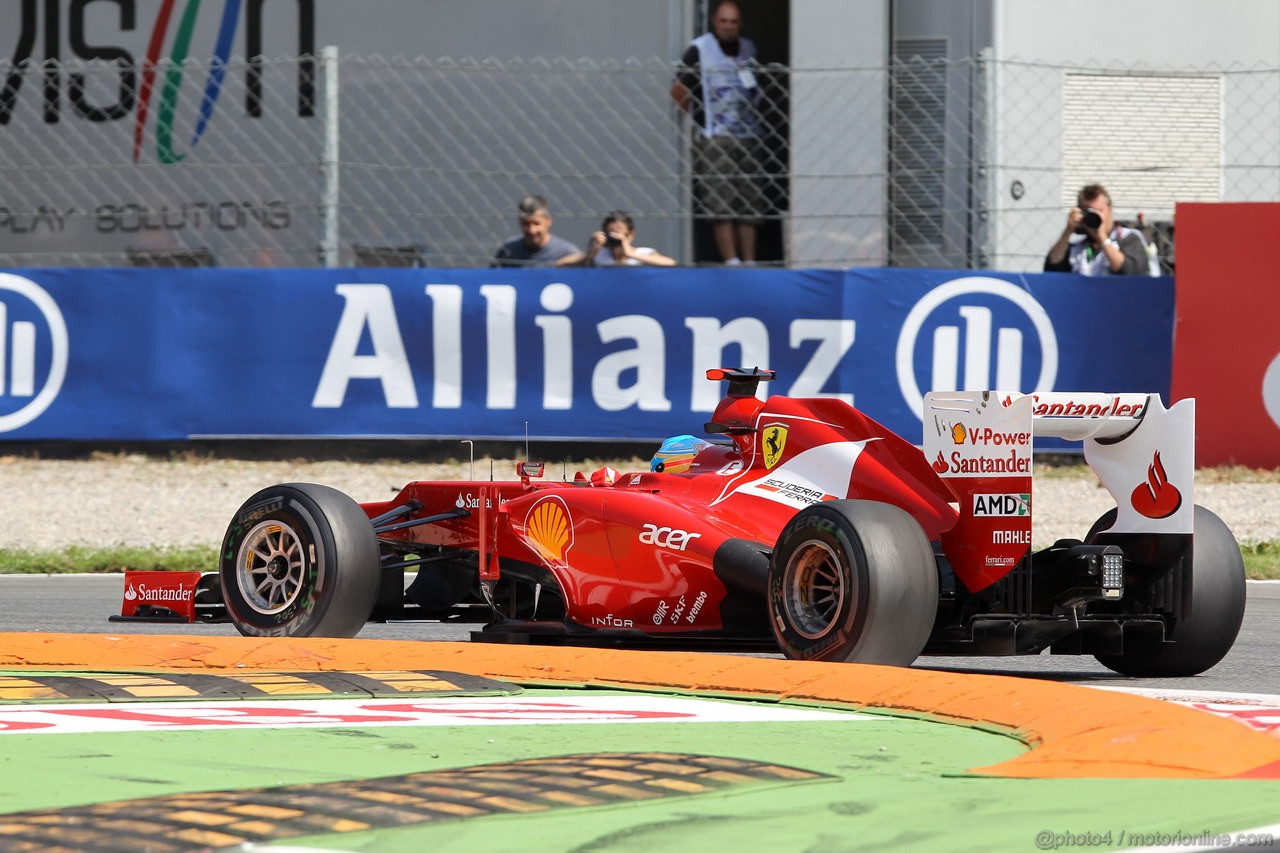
1217 609
838 641
340 572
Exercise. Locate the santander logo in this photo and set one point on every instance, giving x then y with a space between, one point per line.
144 593
1156 497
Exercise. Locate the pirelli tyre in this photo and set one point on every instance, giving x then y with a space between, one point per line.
1204 637
853 581
299 560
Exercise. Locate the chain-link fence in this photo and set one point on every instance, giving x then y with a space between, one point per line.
370 161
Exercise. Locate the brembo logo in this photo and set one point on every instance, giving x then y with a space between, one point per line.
975 334
33 351
154 81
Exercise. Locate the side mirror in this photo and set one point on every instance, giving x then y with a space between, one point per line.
530 470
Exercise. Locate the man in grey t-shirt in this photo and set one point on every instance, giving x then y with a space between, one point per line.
536 246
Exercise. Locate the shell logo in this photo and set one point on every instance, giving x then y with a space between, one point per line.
549 530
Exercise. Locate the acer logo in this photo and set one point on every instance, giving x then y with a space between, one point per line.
667 537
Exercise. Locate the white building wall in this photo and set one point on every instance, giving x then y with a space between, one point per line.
1148 36
838 163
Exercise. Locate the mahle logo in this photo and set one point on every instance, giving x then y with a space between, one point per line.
137 86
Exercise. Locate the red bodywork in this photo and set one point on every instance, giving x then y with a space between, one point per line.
642 553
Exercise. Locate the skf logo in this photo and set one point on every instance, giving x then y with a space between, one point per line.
549 529
1002 506
667 537
775 441
1156 497
33 351
134 96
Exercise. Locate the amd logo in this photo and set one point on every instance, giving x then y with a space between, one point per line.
1002 506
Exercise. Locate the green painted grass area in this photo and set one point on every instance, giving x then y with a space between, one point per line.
1261 560
116 558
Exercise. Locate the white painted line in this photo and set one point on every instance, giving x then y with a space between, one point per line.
1258 711
443 711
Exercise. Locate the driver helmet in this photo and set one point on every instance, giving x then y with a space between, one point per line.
676 454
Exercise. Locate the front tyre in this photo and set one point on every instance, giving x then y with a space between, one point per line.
1204 637
299 560
853 581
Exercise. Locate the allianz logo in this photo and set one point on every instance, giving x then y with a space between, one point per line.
34 350
970 346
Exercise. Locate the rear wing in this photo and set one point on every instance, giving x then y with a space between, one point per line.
980 443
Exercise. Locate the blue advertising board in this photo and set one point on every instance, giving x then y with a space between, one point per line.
612 354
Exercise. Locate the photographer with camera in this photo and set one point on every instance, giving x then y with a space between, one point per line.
612 246
1093 244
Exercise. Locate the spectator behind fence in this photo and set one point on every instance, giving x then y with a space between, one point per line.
1093 244
718 88
536 246
612 246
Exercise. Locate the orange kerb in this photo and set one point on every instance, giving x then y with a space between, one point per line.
1071 731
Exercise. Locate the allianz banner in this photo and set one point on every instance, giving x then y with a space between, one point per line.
616 354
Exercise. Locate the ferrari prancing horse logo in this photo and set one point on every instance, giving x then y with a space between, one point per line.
775 439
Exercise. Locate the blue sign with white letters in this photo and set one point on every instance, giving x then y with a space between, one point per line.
614 354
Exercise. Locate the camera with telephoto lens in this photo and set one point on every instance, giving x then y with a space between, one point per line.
612 240
1091 219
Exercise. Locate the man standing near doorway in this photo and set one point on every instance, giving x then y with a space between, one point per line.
717 86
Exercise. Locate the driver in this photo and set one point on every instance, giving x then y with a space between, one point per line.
676 454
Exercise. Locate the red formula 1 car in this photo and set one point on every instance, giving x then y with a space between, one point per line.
804 527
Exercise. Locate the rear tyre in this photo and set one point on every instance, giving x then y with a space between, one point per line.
1201 640
853 581
299 560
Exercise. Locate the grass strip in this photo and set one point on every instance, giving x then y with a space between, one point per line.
85 559
1261 560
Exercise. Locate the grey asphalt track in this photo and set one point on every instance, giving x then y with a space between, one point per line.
82 603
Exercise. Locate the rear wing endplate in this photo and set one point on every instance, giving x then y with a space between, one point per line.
980 443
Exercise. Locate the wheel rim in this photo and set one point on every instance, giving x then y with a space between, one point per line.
270 567
815 586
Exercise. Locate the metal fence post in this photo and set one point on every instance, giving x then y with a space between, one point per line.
329 246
